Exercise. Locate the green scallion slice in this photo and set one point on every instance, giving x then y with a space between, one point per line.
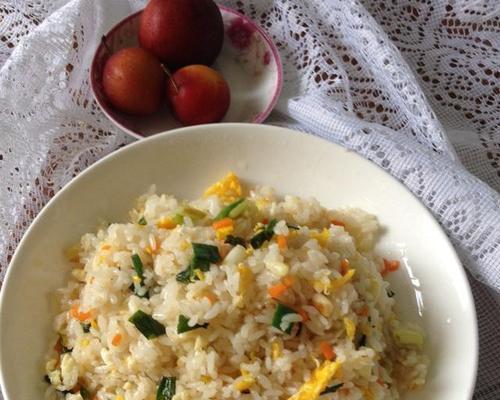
235 241
263 236
138 266
142 221
147 325
226 210
332 388
183 325
203 256
238 210
206 252
279 313
166 388
186 275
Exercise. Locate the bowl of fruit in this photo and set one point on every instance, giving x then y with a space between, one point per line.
185 62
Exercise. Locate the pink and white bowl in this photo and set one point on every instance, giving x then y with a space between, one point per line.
249 61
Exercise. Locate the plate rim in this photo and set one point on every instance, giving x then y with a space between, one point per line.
234 127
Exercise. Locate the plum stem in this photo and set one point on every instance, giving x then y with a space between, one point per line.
105 43
171 78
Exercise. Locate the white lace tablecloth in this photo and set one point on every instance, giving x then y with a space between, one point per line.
412 86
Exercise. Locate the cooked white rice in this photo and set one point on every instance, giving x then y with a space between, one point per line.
101 355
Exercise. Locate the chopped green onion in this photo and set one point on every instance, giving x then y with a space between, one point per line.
409 337
332 388
85 327
147 325
138 266
183 325
142 221
178 219
266 234
226 210
166 388
238 210
206 252
193 213
189 274
279 313
186 275
139 289
235 241
203 256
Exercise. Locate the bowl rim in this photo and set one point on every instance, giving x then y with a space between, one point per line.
261 116
474 345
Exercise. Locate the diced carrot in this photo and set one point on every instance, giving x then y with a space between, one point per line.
337 222
303 314
390 266
78 315
344 266
83 316
288 281
363 311
277 290
327 350
281 239
265 221
117 339
223 223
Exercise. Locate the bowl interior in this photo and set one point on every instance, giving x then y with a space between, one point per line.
431 289
248 61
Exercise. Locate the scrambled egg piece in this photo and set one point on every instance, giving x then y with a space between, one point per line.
319 380
350 328
227 189
246 279
339 282
321 237
247 380
222 233
166 223
327 287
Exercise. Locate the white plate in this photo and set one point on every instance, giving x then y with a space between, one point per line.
431 288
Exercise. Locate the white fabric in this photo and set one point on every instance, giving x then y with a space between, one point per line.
413 87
